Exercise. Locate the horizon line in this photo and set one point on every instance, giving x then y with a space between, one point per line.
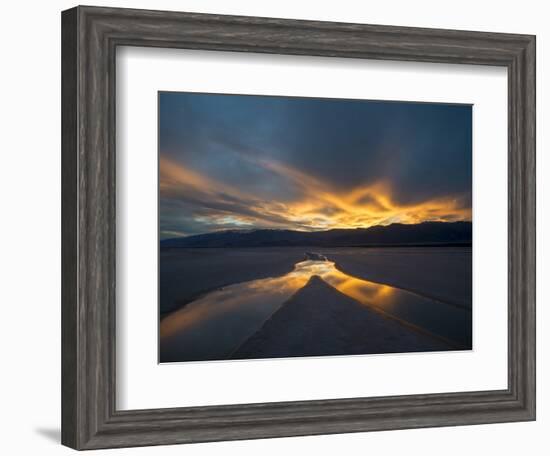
245 230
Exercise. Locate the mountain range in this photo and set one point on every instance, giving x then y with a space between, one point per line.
397 234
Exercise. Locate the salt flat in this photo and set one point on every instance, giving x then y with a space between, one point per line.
443 273
219 303
319 321
185 274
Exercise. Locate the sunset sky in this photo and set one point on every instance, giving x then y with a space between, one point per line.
243 162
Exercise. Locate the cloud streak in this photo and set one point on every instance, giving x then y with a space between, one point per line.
222 206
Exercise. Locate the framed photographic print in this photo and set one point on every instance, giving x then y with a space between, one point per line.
279 228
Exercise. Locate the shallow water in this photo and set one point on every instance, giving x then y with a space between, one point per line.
215 325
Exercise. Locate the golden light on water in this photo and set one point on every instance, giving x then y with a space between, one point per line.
264 296
363 291
318 208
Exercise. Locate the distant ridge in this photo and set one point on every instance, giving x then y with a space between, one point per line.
397 234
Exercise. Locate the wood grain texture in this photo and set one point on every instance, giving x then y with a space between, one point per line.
69 228
89 39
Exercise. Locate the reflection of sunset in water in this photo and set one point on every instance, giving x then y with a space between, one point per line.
268 294
214 325
369 293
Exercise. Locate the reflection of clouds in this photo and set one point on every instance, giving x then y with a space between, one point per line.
368 293
214 204
267 295
182 320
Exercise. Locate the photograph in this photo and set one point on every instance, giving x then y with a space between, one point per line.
296 227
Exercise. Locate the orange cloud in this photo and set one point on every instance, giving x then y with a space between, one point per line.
319 207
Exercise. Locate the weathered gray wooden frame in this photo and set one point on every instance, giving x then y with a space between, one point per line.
90 36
